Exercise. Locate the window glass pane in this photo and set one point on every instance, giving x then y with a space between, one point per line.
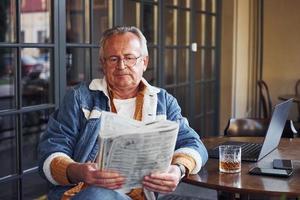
200 29
7 145
8 21
37 30
100 18
171 26
133 17
78 65
34 124
96 65
150 21
213 31
209 125
198 121
183 65
210 31
184 24
7 78
171 90
200 5
209 97
34 187
78 21
9 190
185 3
181 3
198 99
36 76
209 64
172 2
198 64
170 66
150 73
211 6
182 96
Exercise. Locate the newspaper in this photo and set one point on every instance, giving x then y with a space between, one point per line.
134 148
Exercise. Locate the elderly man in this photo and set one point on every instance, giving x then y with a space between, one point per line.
69 146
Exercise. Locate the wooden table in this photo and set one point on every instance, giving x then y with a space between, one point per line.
242 182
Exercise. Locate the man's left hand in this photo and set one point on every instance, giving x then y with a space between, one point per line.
163 182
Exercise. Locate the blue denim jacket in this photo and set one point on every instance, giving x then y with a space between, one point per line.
73 130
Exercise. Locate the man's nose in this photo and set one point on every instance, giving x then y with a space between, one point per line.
121 64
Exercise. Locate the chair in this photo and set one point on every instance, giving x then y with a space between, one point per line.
255 127
265 99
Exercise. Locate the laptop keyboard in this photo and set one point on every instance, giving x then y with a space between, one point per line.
250 151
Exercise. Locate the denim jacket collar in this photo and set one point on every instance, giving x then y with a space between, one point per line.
101 85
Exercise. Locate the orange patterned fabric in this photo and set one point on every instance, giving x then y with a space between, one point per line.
137 194
73 191
58 168
184 160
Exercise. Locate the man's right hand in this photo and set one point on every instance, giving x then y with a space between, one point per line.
90 174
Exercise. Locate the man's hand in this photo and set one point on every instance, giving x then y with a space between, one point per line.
163 182
90 174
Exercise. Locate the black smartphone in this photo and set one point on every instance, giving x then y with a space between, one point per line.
271 172
282 164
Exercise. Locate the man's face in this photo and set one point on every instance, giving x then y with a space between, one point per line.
117 49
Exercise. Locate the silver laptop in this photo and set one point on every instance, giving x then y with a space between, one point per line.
254 151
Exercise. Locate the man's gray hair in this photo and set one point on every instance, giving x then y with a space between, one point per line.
121 30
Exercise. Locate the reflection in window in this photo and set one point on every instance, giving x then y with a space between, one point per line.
181 3
150 20
198 99
171 27
150 73
9 190
7 21
101 13
170 66
209 64
40 11
96 65
31 181
34 124
200 5
200 29
182 96
132 18
36 76
78 21
183 66
77 64
8 145
184 24
7 81
198 67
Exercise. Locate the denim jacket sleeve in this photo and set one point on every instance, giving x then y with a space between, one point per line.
63 128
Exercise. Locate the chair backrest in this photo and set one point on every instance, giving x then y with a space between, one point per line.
246 127
265 99
256 127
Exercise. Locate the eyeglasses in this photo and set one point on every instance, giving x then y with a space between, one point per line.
129 60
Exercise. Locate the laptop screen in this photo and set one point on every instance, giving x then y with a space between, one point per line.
276 126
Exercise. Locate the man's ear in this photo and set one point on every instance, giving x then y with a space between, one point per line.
146 61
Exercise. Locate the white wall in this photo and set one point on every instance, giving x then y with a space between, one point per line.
281 53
